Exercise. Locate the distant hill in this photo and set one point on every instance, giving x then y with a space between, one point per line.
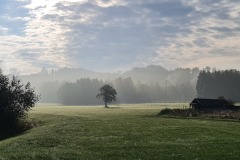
65 74
155 81
146 75
146 84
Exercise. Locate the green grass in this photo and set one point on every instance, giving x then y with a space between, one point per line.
122 132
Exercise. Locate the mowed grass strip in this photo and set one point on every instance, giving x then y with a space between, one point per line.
121 132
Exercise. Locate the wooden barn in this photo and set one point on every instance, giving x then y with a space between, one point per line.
211 104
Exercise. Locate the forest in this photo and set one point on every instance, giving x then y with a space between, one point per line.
152 84
83 92
214 84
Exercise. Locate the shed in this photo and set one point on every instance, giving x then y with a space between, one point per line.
211 104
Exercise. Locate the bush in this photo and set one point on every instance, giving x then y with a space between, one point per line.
179 112
165 111
16 100
226 114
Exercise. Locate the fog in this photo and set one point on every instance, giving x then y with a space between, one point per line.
76 86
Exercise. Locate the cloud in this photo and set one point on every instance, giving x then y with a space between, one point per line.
9 18
210 37
227 62
114 34
3 30
168 8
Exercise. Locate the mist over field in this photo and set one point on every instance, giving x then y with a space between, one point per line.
152 84
138 85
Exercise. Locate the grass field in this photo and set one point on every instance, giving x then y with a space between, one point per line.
122 132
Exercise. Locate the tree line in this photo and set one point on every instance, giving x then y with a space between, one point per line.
214 84
182 85
83 92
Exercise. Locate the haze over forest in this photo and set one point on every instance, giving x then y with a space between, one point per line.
112 35
150 84
48 82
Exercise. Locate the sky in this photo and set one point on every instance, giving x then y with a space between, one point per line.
116 35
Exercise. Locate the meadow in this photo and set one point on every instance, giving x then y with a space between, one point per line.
121 132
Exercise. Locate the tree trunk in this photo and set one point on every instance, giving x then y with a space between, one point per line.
106 106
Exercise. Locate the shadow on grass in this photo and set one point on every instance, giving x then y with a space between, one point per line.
114 108
202 118
15 130
196 118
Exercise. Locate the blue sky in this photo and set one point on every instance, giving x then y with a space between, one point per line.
113 35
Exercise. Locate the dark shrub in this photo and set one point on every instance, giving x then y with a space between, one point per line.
166 111
226 114
16 100
179 112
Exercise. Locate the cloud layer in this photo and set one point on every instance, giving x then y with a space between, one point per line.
108 35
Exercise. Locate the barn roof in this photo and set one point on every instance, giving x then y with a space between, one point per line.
211 102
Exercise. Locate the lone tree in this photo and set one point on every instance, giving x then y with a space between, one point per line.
107 93
16 100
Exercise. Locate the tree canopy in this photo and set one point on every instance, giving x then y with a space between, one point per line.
107 93
214 84
16 100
